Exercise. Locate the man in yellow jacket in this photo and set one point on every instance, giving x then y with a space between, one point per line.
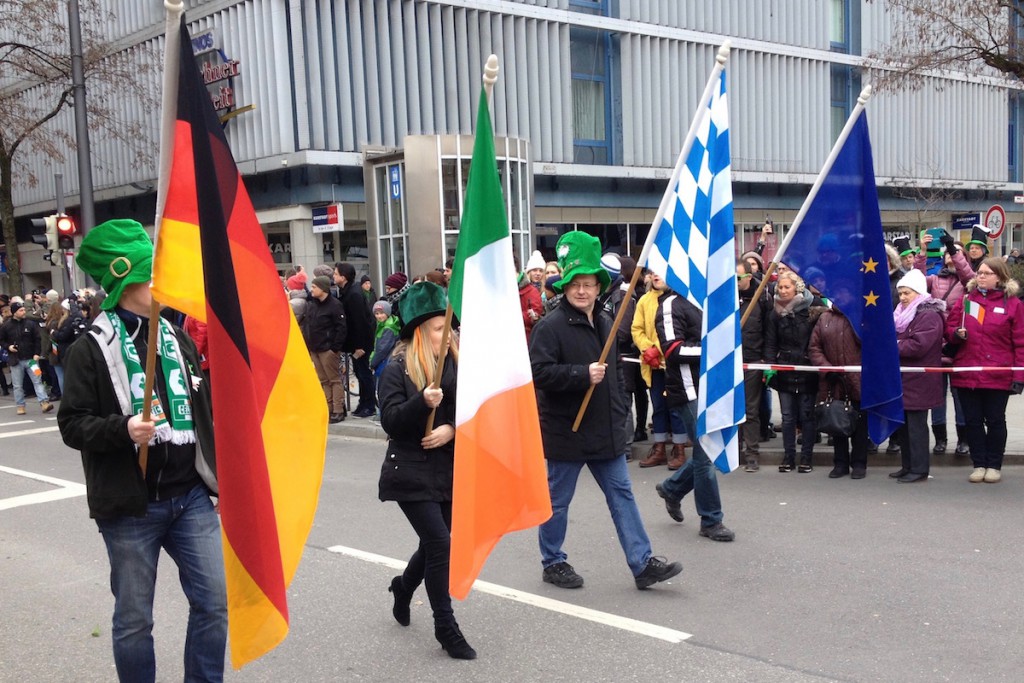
645 337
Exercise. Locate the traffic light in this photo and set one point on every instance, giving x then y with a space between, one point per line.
66 230
44 232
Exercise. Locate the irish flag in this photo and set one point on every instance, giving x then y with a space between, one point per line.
212 262
500 473
975 310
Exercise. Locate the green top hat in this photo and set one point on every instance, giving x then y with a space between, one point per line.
116 254
419 303
580 254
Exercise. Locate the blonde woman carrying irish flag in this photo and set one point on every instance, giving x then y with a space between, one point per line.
986 328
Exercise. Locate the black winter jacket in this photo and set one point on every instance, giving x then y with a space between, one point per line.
91 421
324 325
22 333
678 325
754 328
563 344
410 472
361 325
786 341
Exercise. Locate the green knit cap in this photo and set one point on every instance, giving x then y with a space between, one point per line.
116 254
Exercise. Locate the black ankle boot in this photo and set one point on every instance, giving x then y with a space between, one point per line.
402 600
453 642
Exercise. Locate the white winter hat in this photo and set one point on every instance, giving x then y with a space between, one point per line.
536 262
914 280
611 263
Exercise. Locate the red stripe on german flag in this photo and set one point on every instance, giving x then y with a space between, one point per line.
212 262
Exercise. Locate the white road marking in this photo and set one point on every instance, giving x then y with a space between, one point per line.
613 620
67 489
28 432
16 422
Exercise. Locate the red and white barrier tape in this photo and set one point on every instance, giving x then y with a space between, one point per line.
857 368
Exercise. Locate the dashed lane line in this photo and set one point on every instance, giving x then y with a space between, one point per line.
65 489
29 432
613 620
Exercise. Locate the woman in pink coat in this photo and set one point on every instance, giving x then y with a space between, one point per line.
987 328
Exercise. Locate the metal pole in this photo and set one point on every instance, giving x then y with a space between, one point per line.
87 219
58 181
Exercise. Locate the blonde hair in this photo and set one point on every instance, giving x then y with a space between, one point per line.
420 361
798 282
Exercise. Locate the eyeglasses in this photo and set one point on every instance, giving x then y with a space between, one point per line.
985 273
583 285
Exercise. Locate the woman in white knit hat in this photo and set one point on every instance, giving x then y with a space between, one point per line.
919 322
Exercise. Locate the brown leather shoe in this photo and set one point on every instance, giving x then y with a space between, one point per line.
655 457
678 457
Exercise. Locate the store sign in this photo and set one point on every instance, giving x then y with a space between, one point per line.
965 221
217 69
328 219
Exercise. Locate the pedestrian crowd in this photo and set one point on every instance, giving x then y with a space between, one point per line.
955 306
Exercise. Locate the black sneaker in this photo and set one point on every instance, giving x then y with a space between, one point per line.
657 570
562 574
335 418
675 511
717 532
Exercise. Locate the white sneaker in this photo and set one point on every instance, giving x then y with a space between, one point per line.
992 476
978 475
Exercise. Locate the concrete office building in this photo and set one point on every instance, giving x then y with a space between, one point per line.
369 106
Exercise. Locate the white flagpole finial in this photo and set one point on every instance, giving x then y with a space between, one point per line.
174 6
490 74
865 94
723 52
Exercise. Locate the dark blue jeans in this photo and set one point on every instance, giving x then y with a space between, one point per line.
985 414
612 475
188 528
697 475
797 409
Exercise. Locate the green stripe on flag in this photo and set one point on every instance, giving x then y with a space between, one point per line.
483 216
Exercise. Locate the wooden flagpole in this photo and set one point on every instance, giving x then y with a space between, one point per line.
490 78
147 394
666 202
862 100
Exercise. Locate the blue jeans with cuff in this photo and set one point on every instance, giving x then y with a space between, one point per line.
697 475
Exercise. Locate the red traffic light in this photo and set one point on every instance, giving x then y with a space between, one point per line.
66 230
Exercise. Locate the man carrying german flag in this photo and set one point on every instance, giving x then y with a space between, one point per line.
140 509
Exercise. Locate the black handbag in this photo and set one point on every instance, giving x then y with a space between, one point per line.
835 417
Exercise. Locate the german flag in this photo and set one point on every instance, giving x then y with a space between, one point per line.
212 262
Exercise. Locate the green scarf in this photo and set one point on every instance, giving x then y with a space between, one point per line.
176 427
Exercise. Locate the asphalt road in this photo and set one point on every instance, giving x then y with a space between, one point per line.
827 580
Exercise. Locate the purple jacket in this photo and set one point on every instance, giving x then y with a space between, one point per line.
997 341
920 345
948 286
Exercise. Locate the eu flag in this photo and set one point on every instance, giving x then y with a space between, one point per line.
839 249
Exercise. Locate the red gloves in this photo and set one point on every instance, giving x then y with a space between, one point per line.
652 357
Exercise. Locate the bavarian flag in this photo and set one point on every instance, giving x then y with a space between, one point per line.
212 262
500 480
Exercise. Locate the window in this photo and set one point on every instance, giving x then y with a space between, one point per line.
391 228
839 25
845 88
591 101
599 7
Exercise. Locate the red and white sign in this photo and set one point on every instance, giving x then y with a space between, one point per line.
329 218
995 221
